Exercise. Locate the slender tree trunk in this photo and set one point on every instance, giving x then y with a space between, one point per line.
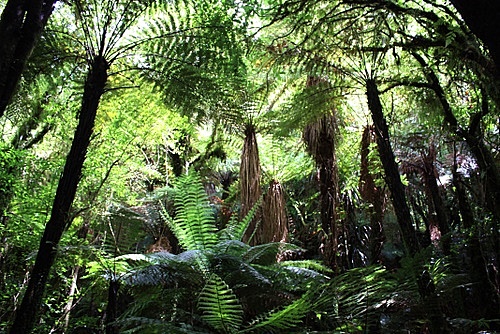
94 88
112 307
21 25
392 176
71 296
437 209
482 154
372 194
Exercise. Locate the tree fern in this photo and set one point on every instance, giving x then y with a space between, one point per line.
220 306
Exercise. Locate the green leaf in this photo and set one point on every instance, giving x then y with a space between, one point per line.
220 306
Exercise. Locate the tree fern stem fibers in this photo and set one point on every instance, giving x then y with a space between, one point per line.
392 176
251 192
59 220
319 137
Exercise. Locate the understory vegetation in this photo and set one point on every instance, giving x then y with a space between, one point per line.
274 166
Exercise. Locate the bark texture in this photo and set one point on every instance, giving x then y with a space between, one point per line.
391 170
21 25
26 315
373 194
274 217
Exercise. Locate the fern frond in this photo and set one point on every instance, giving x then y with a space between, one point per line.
267 253
194 224
288 317
306 264
221 308
236 229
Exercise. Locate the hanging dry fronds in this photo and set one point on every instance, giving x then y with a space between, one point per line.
250 180
274 217
320 139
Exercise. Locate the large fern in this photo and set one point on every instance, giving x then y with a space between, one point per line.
220 306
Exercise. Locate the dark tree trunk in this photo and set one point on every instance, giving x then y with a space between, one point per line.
372 194
437 209
112 307
487 298
94 88
483 19
21 25
392 176
482 154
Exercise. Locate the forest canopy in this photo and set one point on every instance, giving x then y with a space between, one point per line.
283 166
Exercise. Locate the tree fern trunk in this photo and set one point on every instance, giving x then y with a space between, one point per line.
373 194
392 176
21 25
320 141
250 182
111 308
274 217
65 194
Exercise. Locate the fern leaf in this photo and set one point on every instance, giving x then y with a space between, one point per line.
221 308
281 319
236 229
267 253
194 224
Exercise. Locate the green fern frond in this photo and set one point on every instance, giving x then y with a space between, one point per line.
267 253
236 229
221 308
288 317
194 224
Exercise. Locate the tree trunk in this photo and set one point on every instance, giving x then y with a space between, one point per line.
274 218
320 140
94 88
437 209
372 194
483 19
392 176
250 183
21 25
111 308
482 154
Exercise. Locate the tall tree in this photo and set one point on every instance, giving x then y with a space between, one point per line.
391 170
21 25
100 57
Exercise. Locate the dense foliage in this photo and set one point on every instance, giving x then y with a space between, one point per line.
272 166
